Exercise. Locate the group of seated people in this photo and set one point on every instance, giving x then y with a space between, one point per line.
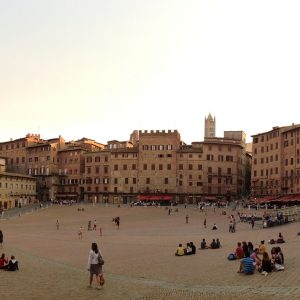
215 244
8 265
279 240
188 250
279 219
258 258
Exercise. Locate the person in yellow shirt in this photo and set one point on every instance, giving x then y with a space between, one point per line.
179 250
262 247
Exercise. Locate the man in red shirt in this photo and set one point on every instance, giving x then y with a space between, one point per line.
239 252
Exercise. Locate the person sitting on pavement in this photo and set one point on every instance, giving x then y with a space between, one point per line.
179 250
193 247
12 264
188 249
3 261
239 252
278 260
203 245
266 264
213 244
280 239
262 247
215 227
218 243
255 258
246 265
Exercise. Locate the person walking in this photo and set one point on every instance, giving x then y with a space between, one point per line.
57 225
187 219
204 223
94 267
1 239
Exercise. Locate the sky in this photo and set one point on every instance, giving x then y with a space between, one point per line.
101 69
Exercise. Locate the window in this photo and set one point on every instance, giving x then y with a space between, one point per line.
116 181
190 167
169 147
209 157
134 180
105 169
153 167
97 169
147 180
209 170
116 167
169 166
126 180
199 167
133 166
180 166
160 167
228 170
220 158
124 167
209 179
166 180
97 159
145 167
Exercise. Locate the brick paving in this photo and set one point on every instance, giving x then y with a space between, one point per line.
139 258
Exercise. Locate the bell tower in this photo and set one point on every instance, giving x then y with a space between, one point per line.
210 126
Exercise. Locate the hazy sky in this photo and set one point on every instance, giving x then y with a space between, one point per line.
101 69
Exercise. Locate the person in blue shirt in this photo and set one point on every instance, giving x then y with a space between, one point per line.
247 265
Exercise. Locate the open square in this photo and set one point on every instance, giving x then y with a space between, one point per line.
139 256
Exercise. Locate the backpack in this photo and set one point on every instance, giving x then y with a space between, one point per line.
231 256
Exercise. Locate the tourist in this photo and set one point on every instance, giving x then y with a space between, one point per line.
280 239
187 219
204 223
89 225
278 260
262 247
93 265
213 244
203 245
218 243
266 264
1 239
80 233
179 250
3 261
95 225
239 252
117 222
12 265
57 225
245 248
193 247
246 265
215 227
250 247
255 258
188 249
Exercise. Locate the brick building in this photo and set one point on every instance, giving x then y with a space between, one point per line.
276 162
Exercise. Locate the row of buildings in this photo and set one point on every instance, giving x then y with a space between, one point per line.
153 164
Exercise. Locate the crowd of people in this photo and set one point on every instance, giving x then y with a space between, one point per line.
188 250
257 259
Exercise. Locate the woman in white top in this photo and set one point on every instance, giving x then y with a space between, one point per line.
93 264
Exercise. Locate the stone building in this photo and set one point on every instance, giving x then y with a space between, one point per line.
15 189
276 161
209 126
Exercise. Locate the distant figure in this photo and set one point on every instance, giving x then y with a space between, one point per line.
117 221
262 247
100 231
169 211
80 233
213 244
204 223
246 265
280 239
1 239
215 227
203 245
57 225
179 250
12 264
89 225
95 225
218 243
3 261
187 219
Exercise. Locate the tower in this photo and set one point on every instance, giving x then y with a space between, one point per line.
210 126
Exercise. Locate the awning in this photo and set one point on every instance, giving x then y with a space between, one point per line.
154 197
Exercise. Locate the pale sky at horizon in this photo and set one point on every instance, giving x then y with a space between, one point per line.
101 69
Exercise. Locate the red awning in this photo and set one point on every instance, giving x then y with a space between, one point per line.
154 197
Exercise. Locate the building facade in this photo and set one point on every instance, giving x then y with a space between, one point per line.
15 189
276 162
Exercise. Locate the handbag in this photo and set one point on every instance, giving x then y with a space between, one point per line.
100 260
